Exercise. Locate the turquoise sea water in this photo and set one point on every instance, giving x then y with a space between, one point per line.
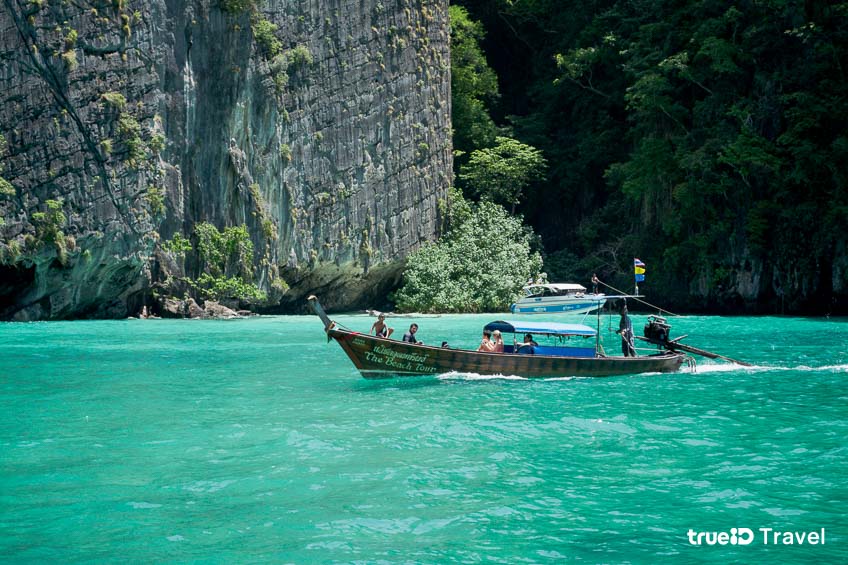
254 440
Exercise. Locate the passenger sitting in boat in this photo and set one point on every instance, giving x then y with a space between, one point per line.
528 345
487 345
409 336
497 340
380 328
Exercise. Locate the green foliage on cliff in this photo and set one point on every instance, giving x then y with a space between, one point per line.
224 252
114 99
6 188
177 245
70 60
476 267
217 288
48 228
285 152
474 85
236 7
708 138
71 39
49 224
264 35
504 171
155 197
130 133
227 263
299 57
157 143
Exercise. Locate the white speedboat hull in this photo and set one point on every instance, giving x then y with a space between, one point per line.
559 304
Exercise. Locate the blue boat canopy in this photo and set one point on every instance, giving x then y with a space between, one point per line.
542 328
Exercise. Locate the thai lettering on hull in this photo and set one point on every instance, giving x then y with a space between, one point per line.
411 362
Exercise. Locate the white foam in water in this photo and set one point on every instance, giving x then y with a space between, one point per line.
701 368
144 505
722 368
733 367
454 375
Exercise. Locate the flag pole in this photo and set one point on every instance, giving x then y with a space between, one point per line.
638 273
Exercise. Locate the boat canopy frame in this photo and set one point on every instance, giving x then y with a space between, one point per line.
555 289
541 328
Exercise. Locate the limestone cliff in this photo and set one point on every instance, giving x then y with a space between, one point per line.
321 126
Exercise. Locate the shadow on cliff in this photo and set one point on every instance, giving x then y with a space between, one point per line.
341 289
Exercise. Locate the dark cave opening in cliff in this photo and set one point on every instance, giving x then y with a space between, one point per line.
14 280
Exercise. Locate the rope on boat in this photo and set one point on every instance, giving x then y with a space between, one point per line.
638 299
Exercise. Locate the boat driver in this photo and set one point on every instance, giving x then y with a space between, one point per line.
625 329
409 336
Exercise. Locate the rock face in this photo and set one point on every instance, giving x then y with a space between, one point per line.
322 126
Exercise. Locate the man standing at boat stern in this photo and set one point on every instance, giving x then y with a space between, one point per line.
625 329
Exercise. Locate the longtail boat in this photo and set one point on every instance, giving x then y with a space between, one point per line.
577 353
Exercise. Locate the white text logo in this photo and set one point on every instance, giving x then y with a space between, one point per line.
745 536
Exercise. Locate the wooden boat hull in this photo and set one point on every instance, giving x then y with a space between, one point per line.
381 358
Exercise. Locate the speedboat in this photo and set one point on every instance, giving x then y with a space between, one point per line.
547 298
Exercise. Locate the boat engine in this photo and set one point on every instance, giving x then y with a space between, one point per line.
657 329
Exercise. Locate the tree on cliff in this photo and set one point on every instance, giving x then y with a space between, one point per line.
502 173
476 267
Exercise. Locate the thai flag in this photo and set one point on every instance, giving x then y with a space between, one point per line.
639 270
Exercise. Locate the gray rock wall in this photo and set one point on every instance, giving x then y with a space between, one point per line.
144 118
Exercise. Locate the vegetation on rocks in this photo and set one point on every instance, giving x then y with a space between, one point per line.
226 258
706 138
178 245
503 172
477 266
48 228
6 188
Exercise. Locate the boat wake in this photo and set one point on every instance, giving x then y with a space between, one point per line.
722 368
457 376
701 369
733 367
